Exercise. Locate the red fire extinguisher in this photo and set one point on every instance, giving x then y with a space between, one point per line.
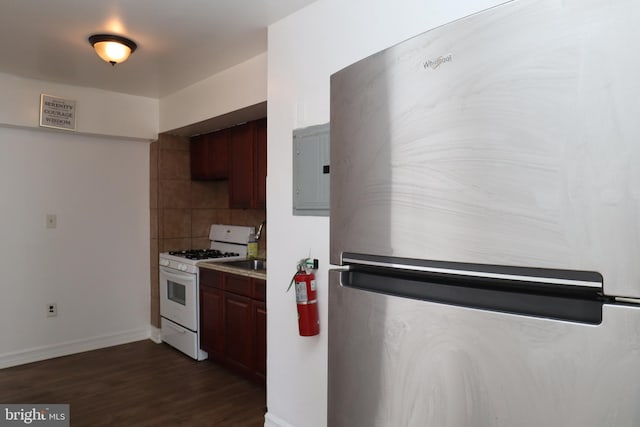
306 298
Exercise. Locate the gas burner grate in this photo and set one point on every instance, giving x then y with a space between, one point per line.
198 254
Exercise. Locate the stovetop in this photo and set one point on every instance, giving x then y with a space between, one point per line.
200 254
228 243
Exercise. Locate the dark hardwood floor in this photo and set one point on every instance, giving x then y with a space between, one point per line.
137 384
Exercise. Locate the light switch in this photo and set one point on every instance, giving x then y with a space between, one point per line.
51 221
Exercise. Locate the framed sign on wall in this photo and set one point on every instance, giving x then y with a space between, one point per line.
57 113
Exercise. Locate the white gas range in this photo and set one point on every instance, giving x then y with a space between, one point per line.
179 293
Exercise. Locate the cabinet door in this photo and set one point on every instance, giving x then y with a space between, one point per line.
260 168
239 285
198 156
212 325
210 156
238 329
241 152
259 290
260 331
211 278
248 165
218 155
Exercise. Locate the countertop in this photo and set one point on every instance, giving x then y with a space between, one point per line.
220 266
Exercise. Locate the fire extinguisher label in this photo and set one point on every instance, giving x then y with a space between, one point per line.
313 285
301 292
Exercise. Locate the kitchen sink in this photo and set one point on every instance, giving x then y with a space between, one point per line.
249 264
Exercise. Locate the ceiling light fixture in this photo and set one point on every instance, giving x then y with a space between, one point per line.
111 48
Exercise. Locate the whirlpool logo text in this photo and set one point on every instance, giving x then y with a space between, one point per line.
435 63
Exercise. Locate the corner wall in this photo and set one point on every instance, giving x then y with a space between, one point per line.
304 50
94 264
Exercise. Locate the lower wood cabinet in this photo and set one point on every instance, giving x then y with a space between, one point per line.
238 332
260 331
212 321
233 322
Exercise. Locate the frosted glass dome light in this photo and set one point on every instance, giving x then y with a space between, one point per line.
111 48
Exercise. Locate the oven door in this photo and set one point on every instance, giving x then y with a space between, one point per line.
178 297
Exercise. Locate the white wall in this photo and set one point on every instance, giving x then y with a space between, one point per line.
235 88
304 50
99 112
95 264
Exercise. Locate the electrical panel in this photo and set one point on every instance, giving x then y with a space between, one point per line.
311 171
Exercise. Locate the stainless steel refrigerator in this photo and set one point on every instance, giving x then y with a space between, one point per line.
485 223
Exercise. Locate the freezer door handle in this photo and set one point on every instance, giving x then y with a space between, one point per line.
490 272
522 294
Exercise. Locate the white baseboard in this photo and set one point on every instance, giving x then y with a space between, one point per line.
156 335
271 420
71 347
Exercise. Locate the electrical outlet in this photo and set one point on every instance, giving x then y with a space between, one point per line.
52 309
52 221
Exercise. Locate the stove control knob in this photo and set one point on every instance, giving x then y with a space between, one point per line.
182 267
164 262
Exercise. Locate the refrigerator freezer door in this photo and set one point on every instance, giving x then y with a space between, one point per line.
509 137
405 362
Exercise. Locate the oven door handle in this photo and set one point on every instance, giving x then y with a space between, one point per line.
178 277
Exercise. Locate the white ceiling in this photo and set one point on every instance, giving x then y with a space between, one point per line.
180 42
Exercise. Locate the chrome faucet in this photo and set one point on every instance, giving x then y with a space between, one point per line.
259 233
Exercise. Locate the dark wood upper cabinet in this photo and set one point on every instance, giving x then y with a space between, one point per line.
248 165
238 154
241 153
210 156
261 164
